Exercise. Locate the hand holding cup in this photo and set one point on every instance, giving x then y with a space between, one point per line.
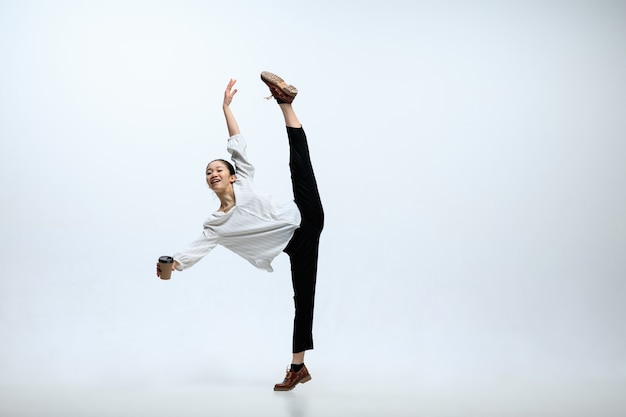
165 266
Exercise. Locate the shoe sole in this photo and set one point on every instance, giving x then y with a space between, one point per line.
302 381
272 79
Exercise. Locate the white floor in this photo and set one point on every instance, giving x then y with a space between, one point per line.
311 400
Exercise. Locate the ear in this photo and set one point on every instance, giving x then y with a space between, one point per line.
233 178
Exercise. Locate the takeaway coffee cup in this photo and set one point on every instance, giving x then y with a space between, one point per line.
165 264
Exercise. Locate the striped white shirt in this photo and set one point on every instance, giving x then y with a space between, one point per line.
256 228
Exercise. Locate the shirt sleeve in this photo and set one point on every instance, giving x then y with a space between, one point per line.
237 149
196 250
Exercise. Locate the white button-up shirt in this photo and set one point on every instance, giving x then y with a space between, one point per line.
256 228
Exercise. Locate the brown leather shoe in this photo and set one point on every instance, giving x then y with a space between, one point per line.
292 379
281 91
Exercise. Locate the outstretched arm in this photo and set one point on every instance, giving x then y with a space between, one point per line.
231 122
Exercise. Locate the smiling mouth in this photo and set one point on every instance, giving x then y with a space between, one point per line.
215 180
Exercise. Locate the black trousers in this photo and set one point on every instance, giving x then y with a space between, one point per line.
303 247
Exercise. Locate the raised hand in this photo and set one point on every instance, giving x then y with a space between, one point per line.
231 122
230 92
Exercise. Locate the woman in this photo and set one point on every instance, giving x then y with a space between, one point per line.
256 228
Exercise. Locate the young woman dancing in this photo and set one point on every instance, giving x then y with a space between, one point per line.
258 229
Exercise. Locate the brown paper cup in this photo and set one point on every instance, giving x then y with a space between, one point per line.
165 264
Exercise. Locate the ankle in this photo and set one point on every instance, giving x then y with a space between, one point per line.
297 367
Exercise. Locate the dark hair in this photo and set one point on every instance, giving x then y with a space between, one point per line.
231 168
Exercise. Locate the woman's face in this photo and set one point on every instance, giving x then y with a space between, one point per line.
218 176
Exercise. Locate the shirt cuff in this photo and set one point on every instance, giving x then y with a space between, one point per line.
179 266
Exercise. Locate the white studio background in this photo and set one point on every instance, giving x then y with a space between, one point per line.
471 157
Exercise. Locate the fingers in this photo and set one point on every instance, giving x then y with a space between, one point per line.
230 86
230 92
229 89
